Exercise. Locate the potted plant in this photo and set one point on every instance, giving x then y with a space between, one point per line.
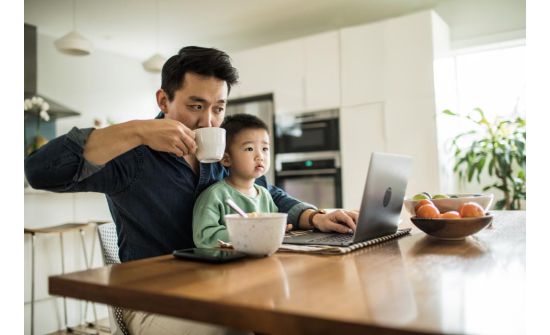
36 110
497 147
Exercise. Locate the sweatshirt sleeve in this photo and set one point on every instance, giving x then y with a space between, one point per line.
207 216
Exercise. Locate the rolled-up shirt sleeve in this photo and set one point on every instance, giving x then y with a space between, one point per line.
60 166
80 136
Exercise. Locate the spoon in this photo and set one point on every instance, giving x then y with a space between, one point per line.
237 209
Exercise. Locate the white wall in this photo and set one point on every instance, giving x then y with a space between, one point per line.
477 22
101 85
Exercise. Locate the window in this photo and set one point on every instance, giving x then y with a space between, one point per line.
491 78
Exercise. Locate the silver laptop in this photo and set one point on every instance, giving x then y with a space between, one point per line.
380 207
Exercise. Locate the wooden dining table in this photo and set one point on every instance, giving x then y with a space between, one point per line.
413 285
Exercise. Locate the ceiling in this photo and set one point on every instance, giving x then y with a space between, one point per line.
127 27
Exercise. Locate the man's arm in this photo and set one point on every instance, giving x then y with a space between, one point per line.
65 162
161 135
298 212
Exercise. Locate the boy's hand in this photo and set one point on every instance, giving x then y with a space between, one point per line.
288 227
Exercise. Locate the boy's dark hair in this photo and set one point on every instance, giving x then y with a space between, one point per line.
234 124
204 61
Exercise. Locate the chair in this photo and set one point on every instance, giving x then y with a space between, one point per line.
59 229
109 247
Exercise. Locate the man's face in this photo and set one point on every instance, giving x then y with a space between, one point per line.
199 103
248 154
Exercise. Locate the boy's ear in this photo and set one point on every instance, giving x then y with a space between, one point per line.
226 160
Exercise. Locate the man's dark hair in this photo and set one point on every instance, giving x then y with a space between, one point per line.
208 62
234 124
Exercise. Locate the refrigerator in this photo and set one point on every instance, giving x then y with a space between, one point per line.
261 107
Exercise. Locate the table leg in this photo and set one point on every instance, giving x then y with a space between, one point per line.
87 264
66 325
33 237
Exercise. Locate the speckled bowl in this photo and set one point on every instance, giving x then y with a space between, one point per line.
452 229
453 204
256 236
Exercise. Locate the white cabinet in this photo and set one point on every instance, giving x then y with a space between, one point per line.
303 74
322 71
390 64
287 74
362 132
255 73
391 59
363 63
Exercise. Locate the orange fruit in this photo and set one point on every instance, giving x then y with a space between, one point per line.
450 215
427 211
471 210
422 203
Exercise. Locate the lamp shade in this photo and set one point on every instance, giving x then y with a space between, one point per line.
73 44
154 63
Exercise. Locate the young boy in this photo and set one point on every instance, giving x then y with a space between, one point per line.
247 156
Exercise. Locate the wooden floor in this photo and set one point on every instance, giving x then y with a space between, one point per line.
103 329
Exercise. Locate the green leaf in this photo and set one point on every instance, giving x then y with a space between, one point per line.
471 170
480 164
448 112
500 204
491 165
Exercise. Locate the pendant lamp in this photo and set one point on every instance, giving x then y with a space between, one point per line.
74 43
155 62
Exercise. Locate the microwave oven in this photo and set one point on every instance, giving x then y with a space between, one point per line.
308 132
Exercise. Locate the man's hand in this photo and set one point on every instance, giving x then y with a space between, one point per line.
340 221
169 136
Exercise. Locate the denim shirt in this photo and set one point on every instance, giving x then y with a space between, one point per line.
150 194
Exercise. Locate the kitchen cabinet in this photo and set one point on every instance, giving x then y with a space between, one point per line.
396 126
303 74
389 64
287 74
322 71
277 68
255 74
363 63
362 132
391 59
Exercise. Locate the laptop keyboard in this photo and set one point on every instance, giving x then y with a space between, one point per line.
336 238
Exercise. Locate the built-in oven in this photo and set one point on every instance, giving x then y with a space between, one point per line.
313 177
308 132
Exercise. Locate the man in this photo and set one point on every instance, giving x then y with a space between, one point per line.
150 175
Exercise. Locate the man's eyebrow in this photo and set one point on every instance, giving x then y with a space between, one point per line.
199 99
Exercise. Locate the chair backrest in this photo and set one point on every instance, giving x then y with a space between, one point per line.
108 240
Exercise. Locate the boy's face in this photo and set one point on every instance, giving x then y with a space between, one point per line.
248 154
199 103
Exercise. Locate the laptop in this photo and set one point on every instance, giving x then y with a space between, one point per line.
380 206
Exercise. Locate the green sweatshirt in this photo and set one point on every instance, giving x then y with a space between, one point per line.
210 208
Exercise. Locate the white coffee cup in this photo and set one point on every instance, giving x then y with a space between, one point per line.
210 144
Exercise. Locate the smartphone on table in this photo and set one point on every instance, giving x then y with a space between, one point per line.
213 255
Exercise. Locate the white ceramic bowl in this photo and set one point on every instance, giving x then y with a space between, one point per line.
453 204
257 236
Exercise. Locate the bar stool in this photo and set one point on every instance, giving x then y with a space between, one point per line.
59 229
